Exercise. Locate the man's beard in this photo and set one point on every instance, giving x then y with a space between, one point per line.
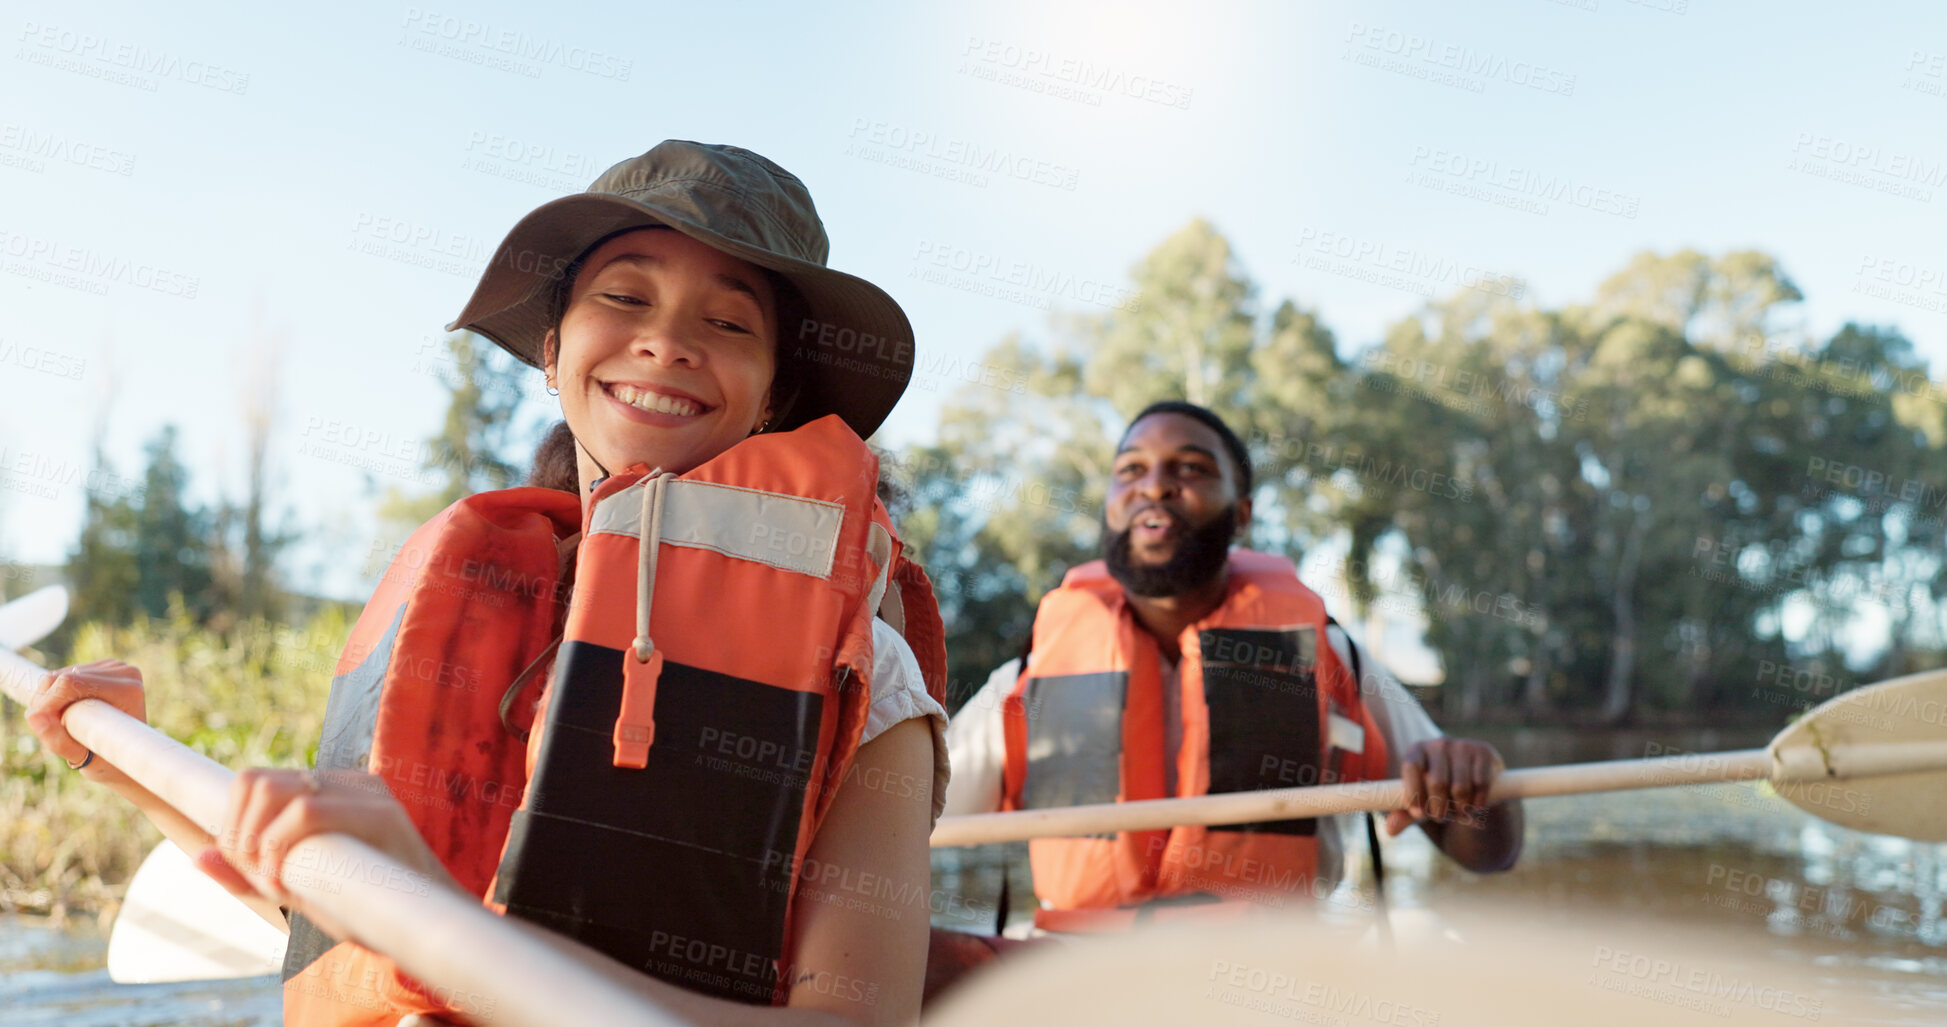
1199 557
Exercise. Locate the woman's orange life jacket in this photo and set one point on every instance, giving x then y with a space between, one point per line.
1265 703
662 811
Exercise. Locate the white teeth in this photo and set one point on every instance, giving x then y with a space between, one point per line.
655 402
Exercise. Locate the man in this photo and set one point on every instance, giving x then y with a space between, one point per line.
1178 667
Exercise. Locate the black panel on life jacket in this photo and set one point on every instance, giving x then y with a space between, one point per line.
1074 739
681 869
1262 690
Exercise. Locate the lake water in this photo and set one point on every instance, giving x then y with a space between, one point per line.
1854 911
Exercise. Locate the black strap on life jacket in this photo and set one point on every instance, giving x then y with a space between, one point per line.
1001 904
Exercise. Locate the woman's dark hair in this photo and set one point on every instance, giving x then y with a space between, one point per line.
555 466
554 462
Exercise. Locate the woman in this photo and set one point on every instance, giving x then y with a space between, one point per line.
734 733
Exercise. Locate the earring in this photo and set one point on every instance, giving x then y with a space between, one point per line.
552 391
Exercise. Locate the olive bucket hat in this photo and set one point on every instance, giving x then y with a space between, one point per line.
851 351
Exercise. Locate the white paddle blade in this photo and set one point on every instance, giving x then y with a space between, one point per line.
28 619
178 925
1860 733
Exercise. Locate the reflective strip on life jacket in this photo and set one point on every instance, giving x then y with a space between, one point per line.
1264 703
790 533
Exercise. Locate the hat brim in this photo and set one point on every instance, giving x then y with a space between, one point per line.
853 348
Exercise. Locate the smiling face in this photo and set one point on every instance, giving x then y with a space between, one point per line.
666 351
1173 506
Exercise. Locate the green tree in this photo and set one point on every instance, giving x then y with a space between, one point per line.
172 537
1603 509
102 570
1190 328
143 545
1018 478
469 453
1643 511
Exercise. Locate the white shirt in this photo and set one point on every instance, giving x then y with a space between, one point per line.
978 747
899 695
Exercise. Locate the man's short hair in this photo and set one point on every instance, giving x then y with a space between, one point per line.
1232 444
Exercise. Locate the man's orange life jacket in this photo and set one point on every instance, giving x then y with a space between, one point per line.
663 808
1265 703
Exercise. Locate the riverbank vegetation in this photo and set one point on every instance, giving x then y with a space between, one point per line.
1667 503
251 696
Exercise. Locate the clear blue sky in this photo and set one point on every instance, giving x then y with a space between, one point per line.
260 157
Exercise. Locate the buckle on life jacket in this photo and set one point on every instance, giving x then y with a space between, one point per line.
635 726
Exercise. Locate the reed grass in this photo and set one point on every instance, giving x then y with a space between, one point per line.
250 696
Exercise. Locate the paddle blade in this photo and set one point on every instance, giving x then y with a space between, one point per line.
178 925
28 619
1518 966
1847 734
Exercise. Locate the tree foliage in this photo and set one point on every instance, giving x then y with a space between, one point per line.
1605 510
468 454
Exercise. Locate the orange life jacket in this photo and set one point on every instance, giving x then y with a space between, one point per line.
1265 703
672 799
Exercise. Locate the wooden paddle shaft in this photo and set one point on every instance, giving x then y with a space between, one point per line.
1295 803
456 946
